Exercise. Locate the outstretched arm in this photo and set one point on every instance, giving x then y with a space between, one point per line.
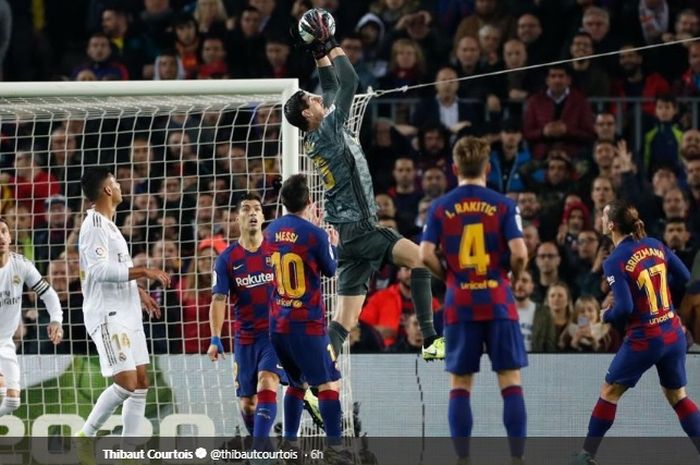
348 82
329 81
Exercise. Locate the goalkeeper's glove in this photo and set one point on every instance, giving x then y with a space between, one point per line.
216 341
321 30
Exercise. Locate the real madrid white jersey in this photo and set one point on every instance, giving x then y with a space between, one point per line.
108 295
13 276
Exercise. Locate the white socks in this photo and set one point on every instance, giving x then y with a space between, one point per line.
3 392
108 401
133 412
9 405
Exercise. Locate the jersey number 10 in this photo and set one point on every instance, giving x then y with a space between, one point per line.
472 249
289 273
644 281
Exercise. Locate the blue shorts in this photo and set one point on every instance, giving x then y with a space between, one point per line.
249 360
629 365
306 359
465 342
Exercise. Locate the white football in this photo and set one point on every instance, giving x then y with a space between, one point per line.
306 31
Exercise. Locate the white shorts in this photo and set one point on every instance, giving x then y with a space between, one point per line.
9 366
120 348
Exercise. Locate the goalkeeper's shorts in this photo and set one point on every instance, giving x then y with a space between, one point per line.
364 248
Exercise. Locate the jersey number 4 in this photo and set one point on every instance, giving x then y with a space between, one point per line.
645 281
289 272
472 249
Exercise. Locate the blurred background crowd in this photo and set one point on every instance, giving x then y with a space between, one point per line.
567 139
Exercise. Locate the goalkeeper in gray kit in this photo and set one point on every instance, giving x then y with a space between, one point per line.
349 198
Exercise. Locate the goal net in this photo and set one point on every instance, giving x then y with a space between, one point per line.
183 152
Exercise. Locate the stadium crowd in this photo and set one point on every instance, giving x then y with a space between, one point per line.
558 155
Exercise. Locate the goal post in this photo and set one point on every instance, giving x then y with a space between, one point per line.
182 151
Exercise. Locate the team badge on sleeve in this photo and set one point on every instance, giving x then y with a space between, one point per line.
100 252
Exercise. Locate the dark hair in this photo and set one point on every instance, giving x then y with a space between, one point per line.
625 218
92 182
295 193
666 98
293 108
247 196
184 19
559 67
676 220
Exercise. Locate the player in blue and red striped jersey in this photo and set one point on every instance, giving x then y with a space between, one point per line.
301 253
479 233
244 273
639 271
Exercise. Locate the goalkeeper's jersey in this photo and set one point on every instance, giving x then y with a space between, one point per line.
104 275
17 272
339 160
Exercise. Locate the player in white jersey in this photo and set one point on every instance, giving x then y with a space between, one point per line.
112 304
15 272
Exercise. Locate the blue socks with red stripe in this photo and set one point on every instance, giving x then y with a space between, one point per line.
265 414
689 417
293 408
459 416
515 419
329 405
602 419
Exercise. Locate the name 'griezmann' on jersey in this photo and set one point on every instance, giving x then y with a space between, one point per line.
472 225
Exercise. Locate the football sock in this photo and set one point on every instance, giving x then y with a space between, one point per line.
249 421
109 400
422 297
459 416
515 419
602 419
689 417
3 391
337 333
9 405
133 411
265 414
329 405
293 408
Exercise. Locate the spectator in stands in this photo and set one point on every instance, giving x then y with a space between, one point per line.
689 83
434 183
434 150
32 184
547 261
654 19
371 29
677 238
587 75
553 185
585 332
604 154
50 240
213 54
558 301
100 60
508 159
535 319
530 208
19 222
604 127
690 145
529 32
406 65
248 43
365 340
582 264
64 159
385 206
410 341
517 85
466 61
405 193
559 114
596 22
187 43
575 219
387 309
270 20
71 298
391 11
277 63
445 107
420 27
194 291
490 45
493 12
168 66
352 45
635 82
211 16
693 170
156 20
532 241
661 144
602 193
129 46
686 26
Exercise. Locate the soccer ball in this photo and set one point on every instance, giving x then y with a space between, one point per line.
312 17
